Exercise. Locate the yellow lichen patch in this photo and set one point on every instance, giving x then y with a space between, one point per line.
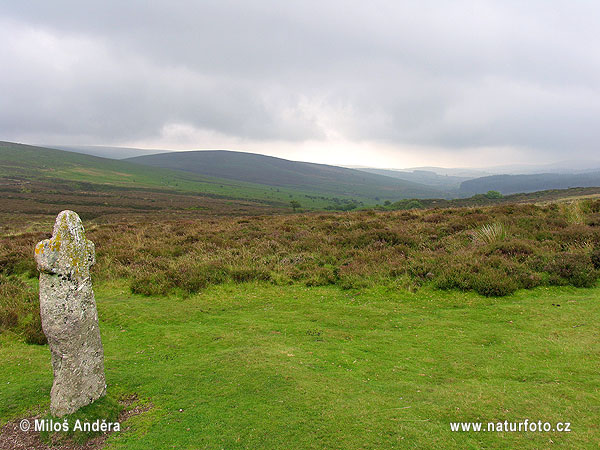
55 244
70 250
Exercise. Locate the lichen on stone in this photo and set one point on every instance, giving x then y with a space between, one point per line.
68 251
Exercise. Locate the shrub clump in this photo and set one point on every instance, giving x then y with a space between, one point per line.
20 309
493 283
150 284
574 269
189 277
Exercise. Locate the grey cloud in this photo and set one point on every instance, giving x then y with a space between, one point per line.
455 75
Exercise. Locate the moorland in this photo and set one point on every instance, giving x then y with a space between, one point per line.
239 323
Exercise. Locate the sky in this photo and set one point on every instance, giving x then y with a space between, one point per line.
379 83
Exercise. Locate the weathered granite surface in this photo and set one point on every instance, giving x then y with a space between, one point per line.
69 315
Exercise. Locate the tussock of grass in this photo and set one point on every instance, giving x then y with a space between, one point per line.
574 211
490 233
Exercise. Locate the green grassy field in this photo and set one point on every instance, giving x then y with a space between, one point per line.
261 366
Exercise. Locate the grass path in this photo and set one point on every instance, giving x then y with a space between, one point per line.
287 367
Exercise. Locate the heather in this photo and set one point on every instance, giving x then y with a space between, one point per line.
493 251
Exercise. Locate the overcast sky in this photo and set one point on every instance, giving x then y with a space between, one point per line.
377 83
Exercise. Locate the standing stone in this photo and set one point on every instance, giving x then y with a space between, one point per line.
69 315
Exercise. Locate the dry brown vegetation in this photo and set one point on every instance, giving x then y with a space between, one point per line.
26 200
491 250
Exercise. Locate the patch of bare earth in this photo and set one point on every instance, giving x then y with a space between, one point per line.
13 438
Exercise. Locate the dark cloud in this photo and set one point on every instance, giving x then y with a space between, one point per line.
454 76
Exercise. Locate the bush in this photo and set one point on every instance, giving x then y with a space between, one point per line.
491 277
33 329
243 275
18 302
518 249
493 195
150 284
595 258
575 269
406 204
192 278
493 283
322 276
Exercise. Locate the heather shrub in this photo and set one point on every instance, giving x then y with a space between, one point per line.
593 220
20 310
577 234
32 330
519 249
150 283
458 278
322 276
489 276
572 268
454 248
16 263
492 282
595 257
192 277
594 206
245 274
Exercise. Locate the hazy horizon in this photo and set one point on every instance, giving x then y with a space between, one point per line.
569 165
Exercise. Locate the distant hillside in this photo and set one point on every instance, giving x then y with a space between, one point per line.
564 167
512 184
69 178
453 171
443 182
71 171
255 168
106 152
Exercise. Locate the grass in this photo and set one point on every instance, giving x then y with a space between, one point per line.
105 409
260 366
490 233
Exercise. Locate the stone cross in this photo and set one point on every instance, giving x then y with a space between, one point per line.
69 315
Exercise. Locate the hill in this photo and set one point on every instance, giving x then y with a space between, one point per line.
255 168
448 183
38 180
106 152
38 163
512 184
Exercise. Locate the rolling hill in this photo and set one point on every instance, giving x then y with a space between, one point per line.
26 163
512 184
106 152
38 180
282 173
448 183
